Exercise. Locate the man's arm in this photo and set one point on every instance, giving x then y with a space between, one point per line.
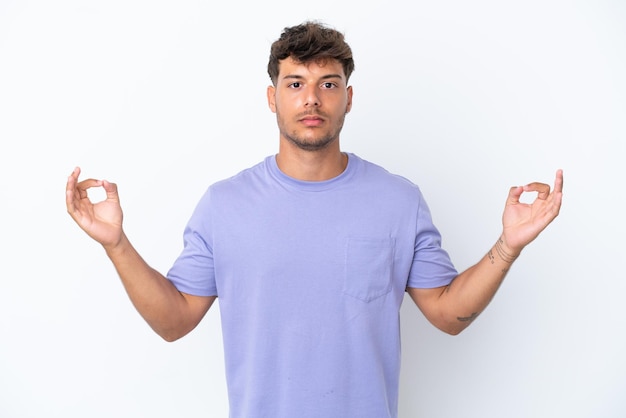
452 308
171 313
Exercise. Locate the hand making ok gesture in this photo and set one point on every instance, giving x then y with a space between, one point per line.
102 221
523 222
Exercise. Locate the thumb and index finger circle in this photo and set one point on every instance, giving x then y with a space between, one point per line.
542 189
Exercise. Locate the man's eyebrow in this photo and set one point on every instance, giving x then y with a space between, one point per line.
300 77
327 76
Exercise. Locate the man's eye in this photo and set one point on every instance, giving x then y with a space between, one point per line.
295 85
328 85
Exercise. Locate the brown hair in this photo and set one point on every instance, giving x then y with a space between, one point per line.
310 42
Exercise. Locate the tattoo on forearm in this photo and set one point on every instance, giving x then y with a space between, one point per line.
467 318
504 256
491 257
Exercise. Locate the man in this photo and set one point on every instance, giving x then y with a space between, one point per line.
311 252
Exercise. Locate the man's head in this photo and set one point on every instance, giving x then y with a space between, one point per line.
307 43
310 65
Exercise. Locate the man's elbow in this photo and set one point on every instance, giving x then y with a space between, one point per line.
170 338
170 334
453 330
454 326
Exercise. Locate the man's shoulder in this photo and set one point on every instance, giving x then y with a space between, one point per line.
247 176
379 174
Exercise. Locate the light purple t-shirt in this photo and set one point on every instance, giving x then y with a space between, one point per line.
310 277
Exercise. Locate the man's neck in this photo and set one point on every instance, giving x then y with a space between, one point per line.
316 165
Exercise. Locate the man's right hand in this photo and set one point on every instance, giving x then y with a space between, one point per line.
102 221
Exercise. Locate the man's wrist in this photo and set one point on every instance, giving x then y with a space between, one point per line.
505 253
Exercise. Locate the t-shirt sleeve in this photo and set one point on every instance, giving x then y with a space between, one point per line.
193 271
431 265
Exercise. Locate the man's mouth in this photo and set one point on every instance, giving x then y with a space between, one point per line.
312 120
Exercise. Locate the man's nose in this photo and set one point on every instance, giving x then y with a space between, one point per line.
312 97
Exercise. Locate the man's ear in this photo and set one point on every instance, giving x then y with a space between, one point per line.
349 105
271 98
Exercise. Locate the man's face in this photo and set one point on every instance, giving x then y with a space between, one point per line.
310 101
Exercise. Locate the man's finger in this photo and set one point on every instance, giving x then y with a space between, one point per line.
558 182
542 189
111 190
514 194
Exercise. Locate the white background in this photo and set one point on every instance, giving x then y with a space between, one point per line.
464 98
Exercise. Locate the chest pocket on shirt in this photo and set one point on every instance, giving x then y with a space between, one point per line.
368 267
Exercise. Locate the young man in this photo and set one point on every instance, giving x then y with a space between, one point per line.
311 252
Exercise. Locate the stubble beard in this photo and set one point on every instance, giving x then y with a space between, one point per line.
314 144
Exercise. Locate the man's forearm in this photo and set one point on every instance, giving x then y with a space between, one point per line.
158 301
470 293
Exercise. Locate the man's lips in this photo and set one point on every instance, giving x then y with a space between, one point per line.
312 120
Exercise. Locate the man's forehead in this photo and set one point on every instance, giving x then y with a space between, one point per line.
321 67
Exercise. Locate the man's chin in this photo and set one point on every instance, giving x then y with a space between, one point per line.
311 145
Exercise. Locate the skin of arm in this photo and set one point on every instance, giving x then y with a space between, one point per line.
170 313
452 308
